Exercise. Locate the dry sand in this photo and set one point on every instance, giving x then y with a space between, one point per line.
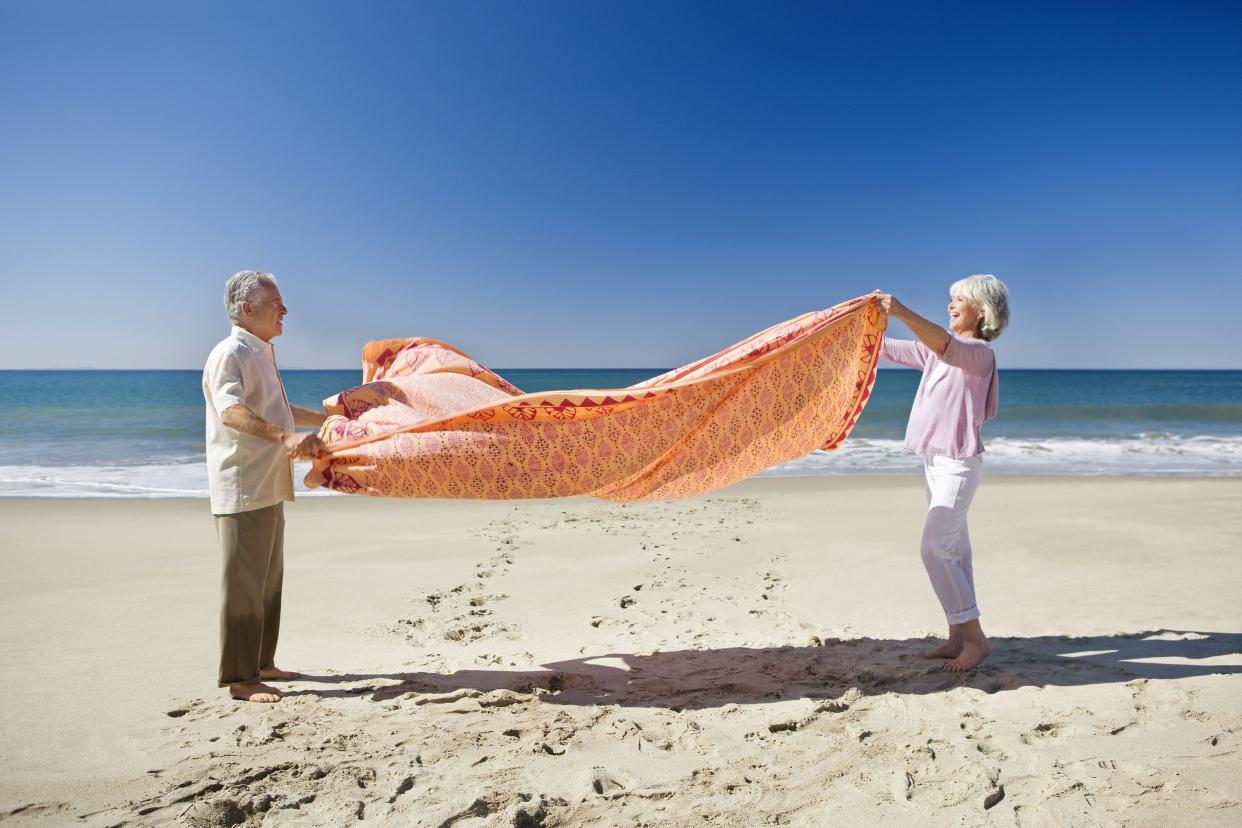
744 658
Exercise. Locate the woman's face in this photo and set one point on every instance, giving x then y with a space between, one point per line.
964 317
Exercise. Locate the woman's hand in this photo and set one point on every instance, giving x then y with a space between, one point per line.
889 304
929 333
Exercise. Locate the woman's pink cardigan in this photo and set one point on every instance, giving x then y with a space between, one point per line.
957 394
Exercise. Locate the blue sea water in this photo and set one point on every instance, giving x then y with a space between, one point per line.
140 433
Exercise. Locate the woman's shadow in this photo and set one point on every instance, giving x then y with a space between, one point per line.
695 679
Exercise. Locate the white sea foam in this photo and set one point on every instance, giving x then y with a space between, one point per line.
1147 454
143 481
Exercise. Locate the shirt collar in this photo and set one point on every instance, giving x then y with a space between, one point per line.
250 340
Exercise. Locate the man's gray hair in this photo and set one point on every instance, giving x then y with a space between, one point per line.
242 287
991 297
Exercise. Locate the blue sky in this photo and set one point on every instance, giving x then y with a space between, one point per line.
594 184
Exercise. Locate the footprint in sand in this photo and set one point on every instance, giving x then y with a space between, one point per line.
192 706
459 614
466 633
606 783
245 794
771 583
1044 730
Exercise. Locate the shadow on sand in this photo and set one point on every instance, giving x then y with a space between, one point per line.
697 679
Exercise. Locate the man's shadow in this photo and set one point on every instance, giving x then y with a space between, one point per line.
696 679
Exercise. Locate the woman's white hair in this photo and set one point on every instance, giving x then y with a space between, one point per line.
242 287
990 296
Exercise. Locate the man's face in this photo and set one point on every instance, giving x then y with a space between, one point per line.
265 316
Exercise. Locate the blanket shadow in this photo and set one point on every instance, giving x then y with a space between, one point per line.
697 679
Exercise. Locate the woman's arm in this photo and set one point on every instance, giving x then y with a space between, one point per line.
929 333
904 352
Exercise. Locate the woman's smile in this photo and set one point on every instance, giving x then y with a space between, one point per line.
963 317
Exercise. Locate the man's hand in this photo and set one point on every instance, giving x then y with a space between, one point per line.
303 445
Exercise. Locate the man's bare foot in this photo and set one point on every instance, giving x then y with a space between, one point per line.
972 655
949 649
255 691
277 674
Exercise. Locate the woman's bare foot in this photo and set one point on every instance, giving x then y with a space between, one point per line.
277 674
974 648
972 655
949 649
254 691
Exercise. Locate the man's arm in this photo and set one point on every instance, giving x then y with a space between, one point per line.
242 419
306 417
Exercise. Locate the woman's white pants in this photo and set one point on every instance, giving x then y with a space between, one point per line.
951 485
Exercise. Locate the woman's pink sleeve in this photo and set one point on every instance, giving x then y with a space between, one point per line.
905 352
973 357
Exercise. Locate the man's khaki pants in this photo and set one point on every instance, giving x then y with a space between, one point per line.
254 567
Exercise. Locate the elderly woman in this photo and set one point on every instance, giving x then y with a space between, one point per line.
957 394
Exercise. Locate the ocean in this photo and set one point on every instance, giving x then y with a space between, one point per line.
140 433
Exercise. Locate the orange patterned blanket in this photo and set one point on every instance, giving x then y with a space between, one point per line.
428 421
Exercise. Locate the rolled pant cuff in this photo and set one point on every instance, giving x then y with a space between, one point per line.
223 683
963 616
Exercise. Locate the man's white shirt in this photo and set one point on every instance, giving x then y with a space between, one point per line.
244 472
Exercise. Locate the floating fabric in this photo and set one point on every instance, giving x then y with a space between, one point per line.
429 421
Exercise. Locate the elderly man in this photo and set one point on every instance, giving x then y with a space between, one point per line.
250 439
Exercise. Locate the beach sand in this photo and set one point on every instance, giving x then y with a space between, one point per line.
743 658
